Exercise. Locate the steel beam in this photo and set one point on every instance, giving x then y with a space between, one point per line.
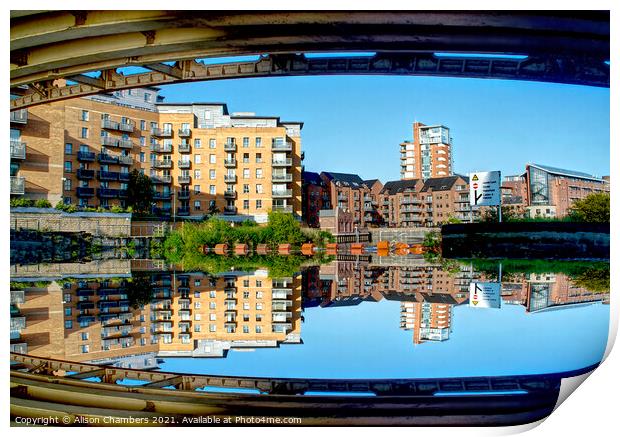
585 71
53 45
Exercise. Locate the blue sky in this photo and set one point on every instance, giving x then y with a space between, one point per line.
366 341
355 123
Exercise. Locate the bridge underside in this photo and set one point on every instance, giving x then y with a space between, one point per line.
54 388
560 46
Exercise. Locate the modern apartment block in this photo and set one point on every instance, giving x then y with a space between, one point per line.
190 315
429 155
315 198
351 193
199 157
552 191
430 202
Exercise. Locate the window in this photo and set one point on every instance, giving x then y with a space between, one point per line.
259 173
246 204
197 143
246 282
246 306
246 158
212 189
212 294
246 294
259 305
85 348
211 174
246 188
197 174
84 116
142 125
212 316
259 317
67 298
197 159
84 336
142 157
68 149
68 311
84 133
246 173
211 159
197 205
147 97
142 141
259 188
259 295
212 327
212 143
68 324
259 142
258 329
246 141
68 166
246 329
259 204
259 158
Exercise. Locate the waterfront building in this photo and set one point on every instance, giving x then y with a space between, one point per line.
429 155
552 191
200 158
348 192
315 197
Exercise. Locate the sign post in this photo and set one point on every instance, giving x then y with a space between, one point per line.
485 294
485 190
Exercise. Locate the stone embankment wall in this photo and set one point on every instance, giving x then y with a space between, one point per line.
542 240
53 220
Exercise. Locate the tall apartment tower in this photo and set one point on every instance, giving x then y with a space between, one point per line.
429 155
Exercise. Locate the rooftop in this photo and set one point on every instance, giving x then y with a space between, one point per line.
346 179
564 172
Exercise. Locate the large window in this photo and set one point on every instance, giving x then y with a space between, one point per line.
539 186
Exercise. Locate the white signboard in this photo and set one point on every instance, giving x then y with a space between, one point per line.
484 295
484 188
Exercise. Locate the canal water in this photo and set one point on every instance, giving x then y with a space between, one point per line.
344 319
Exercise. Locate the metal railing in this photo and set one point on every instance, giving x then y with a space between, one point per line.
18 149
19 116
18 185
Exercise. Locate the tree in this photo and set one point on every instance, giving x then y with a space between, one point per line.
490 214
139 290
592 209
139 192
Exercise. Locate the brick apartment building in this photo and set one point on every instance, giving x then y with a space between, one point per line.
190 315
198 156
429 155
552 191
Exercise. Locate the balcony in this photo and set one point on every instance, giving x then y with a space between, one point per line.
368 208
230 146
162 164
184 164
125 144
281 194
184 132
125 160
18 149
230 178
161 133
162 196
104 158
85 192
161 148
282 146
107 192
124 177
108 175
184 179
126 126
83 173
230 162
19 116
86 156
183 194
230 210
282 177
122 194
230 194
18 185
282 162
183 211
410 209
283 208
161 179
185 148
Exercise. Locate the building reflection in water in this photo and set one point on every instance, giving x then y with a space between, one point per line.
199 315
190 315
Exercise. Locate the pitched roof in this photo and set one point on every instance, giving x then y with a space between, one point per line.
310 177
439 184
346 179
564 172
370 182
393 187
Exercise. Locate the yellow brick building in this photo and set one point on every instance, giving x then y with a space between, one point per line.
199 157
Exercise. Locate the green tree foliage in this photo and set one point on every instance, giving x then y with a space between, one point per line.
592 209
139 290
139 192
66 207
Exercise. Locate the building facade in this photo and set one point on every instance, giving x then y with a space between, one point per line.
429 155
552 191
200 158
